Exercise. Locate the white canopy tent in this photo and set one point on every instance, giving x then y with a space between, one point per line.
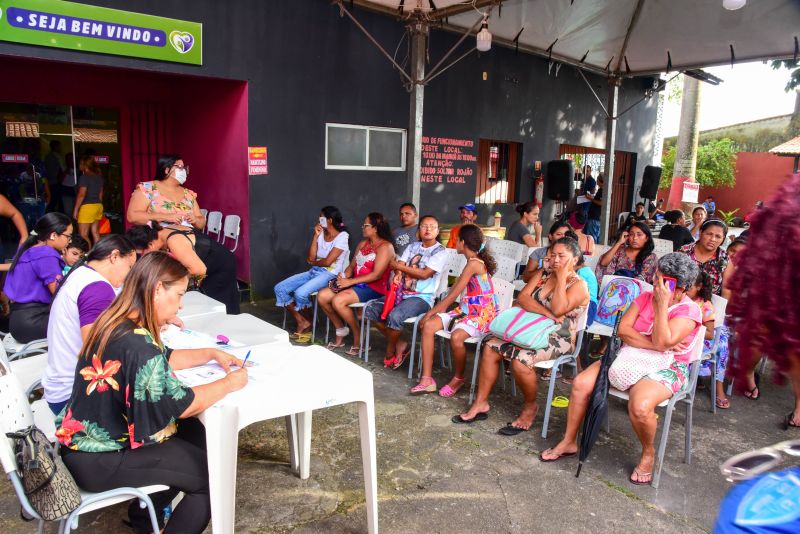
614 38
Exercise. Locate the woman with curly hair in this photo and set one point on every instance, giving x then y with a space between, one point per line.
632 255
764 310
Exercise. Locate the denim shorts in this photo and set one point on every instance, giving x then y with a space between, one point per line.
365 293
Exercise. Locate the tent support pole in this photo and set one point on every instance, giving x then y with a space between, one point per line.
611 137
580 71
418 35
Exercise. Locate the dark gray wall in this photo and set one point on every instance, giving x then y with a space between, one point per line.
307 66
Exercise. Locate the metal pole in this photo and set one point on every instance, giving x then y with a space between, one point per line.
611 140
418 35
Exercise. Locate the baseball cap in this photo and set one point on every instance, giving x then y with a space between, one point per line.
469 207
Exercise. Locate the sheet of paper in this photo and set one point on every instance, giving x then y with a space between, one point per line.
175 338
582 199
204 374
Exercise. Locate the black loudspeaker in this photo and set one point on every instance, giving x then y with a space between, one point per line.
650 179
560 176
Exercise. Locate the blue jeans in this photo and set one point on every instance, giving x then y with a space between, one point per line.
57 407
408 307
592 228
300 287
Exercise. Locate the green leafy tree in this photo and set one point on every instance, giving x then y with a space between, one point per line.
794 77
716 163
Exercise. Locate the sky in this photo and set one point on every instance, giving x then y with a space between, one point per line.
750 91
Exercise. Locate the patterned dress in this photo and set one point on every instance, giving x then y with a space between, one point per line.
160 203
125 398
560 342
478 307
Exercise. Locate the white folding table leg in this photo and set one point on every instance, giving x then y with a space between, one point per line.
304 443
291 433
222 445
366 423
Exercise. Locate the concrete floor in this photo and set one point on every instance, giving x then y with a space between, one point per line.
435 476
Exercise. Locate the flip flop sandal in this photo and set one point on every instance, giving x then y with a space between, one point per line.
400 359
546 376
723 404
303 338
511 430
457 419
447 391
557 458
421 389
639 475
334 346
752 394
353 351
788 422
389 362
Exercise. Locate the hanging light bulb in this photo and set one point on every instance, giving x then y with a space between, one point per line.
733 5
484 42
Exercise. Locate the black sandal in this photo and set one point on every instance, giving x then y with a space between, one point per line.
788 422
752 393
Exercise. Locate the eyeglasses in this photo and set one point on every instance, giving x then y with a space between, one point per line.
366 225
428 227
184 167
749 464
68 236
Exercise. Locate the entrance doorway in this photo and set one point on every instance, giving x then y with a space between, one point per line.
624 170
129 118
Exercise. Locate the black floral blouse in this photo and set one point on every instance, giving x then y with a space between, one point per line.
125 398
714 268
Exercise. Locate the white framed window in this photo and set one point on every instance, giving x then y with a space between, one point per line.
364 148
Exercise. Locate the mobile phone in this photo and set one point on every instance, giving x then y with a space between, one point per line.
672 283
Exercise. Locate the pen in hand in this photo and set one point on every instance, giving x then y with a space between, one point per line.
244 363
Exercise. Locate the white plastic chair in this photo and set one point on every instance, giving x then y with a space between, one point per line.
686 396
555 366
455 264
506 268
15 414
662 246
204 213
15 349
621 219
720 304
591 261
231 230
599 249
512 249
214 224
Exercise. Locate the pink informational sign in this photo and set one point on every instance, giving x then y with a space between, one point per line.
15 158
257 160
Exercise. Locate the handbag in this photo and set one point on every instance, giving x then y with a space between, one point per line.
615 299
333 285
48 485
524 329
632 364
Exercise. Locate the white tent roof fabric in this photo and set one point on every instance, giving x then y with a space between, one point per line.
696 33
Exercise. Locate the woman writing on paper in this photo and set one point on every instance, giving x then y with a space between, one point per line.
130 421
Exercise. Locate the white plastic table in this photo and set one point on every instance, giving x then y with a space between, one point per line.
244 328
287 381
196 304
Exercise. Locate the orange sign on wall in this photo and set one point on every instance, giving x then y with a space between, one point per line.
257 160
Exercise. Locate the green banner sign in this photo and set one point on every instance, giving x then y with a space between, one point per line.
87 28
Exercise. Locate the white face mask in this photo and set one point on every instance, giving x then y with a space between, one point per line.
180 176
117 290
323 222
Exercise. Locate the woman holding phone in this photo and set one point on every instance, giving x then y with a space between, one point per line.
632 255
328 253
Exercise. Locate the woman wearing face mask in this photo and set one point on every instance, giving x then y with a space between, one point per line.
632 255
34 276
85 293
165 200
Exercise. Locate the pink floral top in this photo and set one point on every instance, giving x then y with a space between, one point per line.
160 203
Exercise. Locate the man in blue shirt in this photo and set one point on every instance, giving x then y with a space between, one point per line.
710 206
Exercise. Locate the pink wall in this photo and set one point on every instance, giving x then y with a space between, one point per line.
208 118
758 176
216 150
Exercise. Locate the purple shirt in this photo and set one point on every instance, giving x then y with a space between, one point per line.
36 268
